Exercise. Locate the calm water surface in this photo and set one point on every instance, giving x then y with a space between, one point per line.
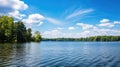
60 54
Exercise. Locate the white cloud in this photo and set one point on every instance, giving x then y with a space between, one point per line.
12 8
56 34
86 26
79 12
85 33
106 25
116 22
71 28
38 19
34 19
59 28
13 4
16 15
52 34
88 30
82 34
104 31
54 21
104 20
97 32
40 23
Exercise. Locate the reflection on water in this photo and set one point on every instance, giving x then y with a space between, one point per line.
60 54
10 53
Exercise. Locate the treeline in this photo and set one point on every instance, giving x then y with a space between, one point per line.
11 31
93 38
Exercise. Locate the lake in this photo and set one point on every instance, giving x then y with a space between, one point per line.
60 54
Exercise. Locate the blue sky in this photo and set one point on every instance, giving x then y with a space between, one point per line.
66 18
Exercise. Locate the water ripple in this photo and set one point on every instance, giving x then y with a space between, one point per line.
76 54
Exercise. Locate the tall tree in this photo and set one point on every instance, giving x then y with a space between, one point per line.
37 36
21 32
6 28
29 34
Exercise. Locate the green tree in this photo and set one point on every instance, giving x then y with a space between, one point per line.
6 28
29 34
37 36
21 32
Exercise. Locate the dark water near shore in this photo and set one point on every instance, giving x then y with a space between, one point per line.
60 54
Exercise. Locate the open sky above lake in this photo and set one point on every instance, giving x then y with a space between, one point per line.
66 18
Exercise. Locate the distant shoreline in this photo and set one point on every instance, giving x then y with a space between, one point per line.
87 39
75 41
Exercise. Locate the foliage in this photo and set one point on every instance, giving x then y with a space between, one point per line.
37 36
11 31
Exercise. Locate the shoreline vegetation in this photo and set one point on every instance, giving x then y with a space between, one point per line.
89 39
16 32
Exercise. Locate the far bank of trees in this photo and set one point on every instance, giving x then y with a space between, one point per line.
94 38
11 31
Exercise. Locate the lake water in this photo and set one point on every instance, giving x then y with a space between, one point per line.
60 54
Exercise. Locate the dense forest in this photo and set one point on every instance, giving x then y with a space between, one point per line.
11 31
93 38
